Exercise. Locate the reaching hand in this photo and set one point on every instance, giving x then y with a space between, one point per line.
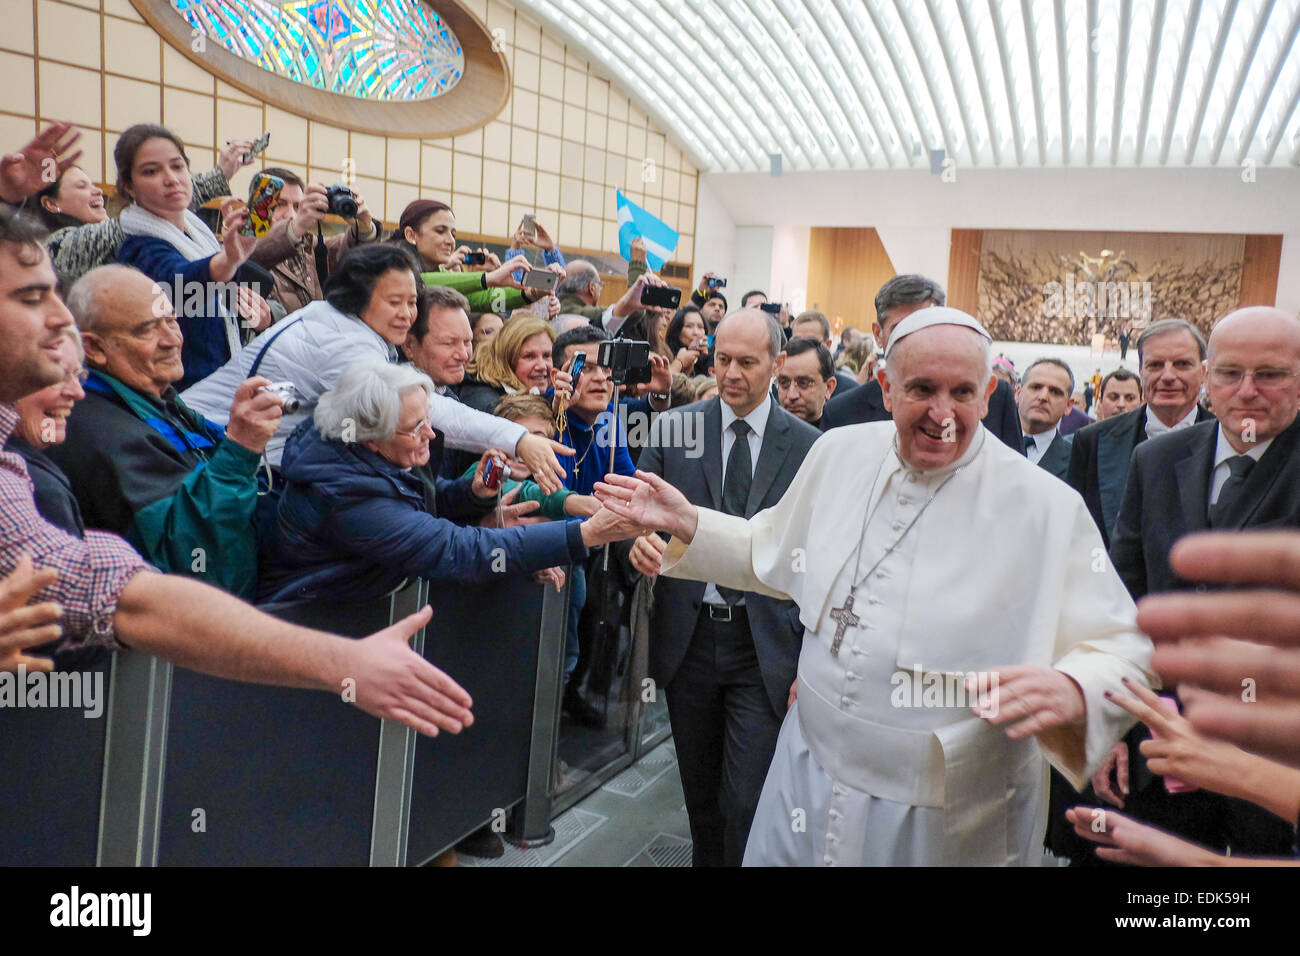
1116 760
23 626
504 274
647 554
1249 690
649 502
395 683
538 454
507 514
39 163
1177 750
1126 841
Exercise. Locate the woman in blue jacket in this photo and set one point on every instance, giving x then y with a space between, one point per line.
171 245
357 518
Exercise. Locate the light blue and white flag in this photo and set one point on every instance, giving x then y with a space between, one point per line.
633 221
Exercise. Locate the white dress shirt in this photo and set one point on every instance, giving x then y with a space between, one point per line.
1222 452
1042 441
1156 427
757 421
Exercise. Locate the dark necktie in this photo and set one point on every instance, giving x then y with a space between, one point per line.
735 487
1029 444
1240 467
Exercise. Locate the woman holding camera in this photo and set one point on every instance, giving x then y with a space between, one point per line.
370 305
354 521
427 230
169 243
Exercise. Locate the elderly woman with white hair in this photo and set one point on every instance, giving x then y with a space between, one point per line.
356 519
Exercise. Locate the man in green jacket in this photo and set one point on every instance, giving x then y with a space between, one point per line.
143 464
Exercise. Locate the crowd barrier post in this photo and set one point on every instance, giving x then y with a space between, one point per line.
530 824
139 697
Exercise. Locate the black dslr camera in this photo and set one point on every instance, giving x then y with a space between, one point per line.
342 200
628 360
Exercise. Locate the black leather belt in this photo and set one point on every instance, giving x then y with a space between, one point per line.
724 613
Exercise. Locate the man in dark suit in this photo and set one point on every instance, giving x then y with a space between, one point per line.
805 380
1171 355
897 299
1042 398
1238 472
726 659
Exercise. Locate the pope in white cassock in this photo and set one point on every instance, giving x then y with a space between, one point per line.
920 552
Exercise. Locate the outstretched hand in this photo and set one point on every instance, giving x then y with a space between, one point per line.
1126 841
650 503
395 683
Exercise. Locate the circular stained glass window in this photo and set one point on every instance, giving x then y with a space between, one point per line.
376 50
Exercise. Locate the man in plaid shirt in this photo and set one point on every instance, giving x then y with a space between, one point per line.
108 596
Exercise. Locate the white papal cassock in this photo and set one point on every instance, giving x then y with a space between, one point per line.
1005 567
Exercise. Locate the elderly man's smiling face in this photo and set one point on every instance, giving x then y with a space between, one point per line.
937 387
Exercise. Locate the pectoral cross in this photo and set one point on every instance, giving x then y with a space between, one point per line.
844 618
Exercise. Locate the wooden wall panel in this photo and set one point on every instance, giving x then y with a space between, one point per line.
845 269
964 269
1261 261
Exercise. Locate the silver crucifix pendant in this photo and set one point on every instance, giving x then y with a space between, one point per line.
844 618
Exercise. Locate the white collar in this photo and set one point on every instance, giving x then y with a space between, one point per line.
1044 439
1156 427
756 420
1223 451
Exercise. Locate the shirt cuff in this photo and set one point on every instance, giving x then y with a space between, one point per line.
611 322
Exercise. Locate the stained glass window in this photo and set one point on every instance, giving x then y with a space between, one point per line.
380 50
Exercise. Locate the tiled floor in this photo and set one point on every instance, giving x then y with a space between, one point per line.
636 819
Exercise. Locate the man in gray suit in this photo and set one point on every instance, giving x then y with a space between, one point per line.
726 659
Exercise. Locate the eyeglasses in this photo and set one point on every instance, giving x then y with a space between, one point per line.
418 431
1227 376
803 382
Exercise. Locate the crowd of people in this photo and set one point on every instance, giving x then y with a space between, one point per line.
197 419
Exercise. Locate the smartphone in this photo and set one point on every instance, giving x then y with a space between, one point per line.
579 361
475 259
664 297
530 224
716 283
771 308
258 147
263 197
543 279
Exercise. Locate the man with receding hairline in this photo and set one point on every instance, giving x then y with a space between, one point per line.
1238 472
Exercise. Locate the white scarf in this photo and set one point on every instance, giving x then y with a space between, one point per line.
197 241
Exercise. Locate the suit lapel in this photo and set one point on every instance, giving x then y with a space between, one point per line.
712 458
1270 467
771 455
1114 450
1193 476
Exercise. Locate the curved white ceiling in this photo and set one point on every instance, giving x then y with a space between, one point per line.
862 84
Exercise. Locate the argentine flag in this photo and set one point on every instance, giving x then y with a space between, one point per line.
633 221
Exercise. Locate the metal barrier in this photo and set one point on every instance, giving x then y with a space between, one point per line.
185 769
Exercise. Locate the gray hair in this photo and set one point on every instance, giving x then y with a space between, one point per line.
366 402
83 298
578 274
907 290
1164 327
569 320
1050 361
776 337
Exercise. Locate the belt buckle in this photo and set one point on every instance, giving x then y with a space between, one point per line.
715 613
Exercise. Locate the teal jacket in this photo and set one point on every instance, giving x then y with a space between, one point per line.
552 506
156 472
